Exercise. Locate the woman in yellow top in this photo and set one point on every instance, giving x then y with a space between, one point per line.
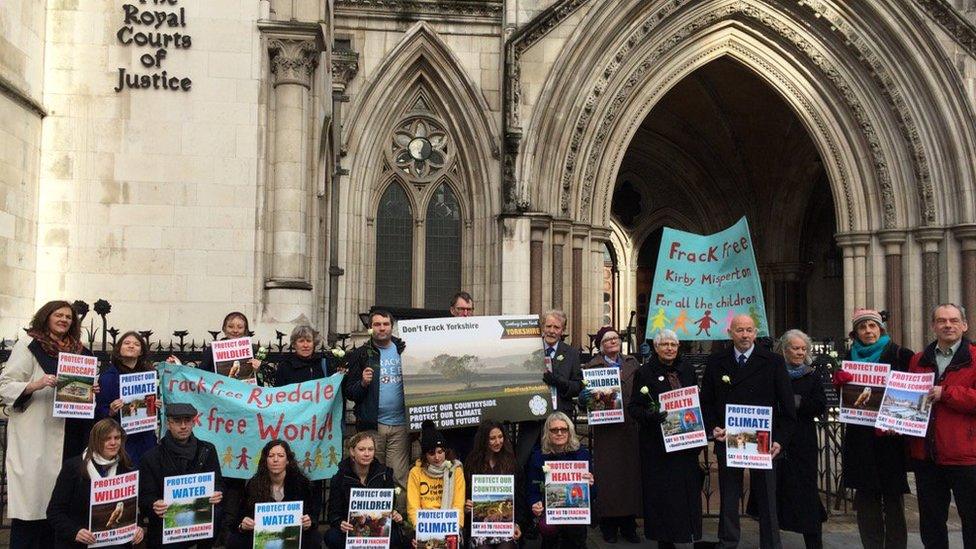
437 480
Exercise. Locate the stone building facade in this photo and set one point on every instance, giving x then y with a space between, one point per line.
303 160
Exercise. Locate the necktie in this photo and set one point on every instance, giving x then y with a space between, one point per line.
551 352
742 360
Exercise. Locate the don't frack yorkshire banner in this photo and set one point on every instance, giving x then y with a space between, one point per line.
240 418
703 281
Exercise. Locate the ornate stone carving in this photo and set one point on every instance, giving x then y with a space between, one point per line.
422 9
293 61
952 22
345 65
420 148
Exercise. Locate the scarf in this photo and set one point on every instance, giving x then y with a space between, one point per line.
869 353
182 454
53 346
798 371
445 471
99 467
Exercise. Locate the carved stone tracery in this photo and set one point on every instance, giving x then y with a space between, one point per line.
293 61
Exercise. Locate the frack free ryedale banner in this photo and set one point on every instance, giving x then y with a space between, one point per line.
702 281
240 418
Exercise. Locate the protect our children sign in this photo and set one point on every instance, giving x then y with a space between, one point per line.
239 418
906 406
567 492
493 506
74 394
860 399
748 436
113 508
606 404
278 524
138 394
683 427
702 281
371 516
189 514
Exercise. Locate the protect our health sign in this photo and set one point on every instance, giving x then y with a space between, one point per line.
683 427
860 399
748 436
906 406
239 418
606 404
189 514
567 495
138 393
371 516
702 281
460 371
74 394
278 524
113 508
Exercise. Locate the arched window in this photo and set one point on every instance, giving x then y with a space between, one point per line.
394 249
442 263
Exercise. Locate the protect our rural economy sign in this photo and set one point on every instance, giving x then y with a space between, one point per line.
702 281
458 371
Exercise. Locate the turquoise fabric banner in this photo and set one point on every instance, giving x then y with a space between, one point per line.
701 282
240 418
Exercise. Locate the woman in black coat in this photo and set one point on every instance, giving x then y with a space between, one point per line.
798 497
359 470
303 364
671 481
68 511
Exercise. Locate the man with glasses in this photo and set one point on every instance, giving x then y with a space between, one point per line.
462 304
945 460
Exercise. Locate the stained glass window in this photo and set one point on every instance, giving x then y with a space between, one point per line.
443 259
394 249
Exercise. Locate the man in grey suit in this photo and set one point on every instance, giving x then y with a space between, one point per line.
566 378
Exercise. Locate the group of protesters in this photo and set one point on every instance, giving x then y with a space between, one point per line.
51 461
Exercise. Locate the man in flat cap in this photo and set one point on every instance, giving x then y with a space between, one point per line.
178 453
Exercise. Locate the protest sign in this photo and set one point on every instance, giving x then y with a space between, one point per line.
860 399
906 406
278 524
371 516
683 427
459 371
748 436
567 492
189 515
138 393
232 357
74 395
605 405
438 529
113 508
239 418
702 281
493 510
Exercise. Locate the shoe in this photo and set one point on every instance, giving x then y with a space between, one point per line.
632 536
609 538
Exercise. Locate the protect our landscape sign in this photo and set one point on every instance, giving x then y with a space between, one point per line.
906 406
702 281
459 371
74 395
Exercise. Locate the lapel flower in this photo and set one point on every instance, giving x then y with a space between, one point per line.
833 354
726 379
545 468
559 358
261 354
644 390
586 383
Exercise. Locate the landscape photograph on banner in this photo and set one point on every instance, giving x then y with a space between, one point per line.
459 371
77 389
906 405
188 512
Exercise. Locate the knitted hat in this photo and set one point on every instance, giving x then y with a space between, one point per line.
430 437
863 315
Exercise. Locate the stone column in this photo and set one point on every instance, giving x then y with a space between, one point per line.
576 324
929 238
560 238
854 246
893 240
536 264
966 235
516 258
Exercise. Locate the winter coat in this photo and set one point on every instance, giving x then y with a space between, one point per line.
37 442
68 510
136 444
951 437
536 478
569 377
871 461
295 490
345 479
295 369
671 481
366 400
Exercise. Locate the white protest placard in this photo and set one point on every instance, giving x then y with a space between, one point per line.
438 528
567 492
371 516
74 395
278 524
189 515
493 512
683 427
906 406
860 399
138 394
232 357
114 502
748 436
606 403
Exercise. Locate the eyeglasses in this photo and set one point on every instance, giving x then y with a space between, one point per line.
559 430
464 309
611 339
